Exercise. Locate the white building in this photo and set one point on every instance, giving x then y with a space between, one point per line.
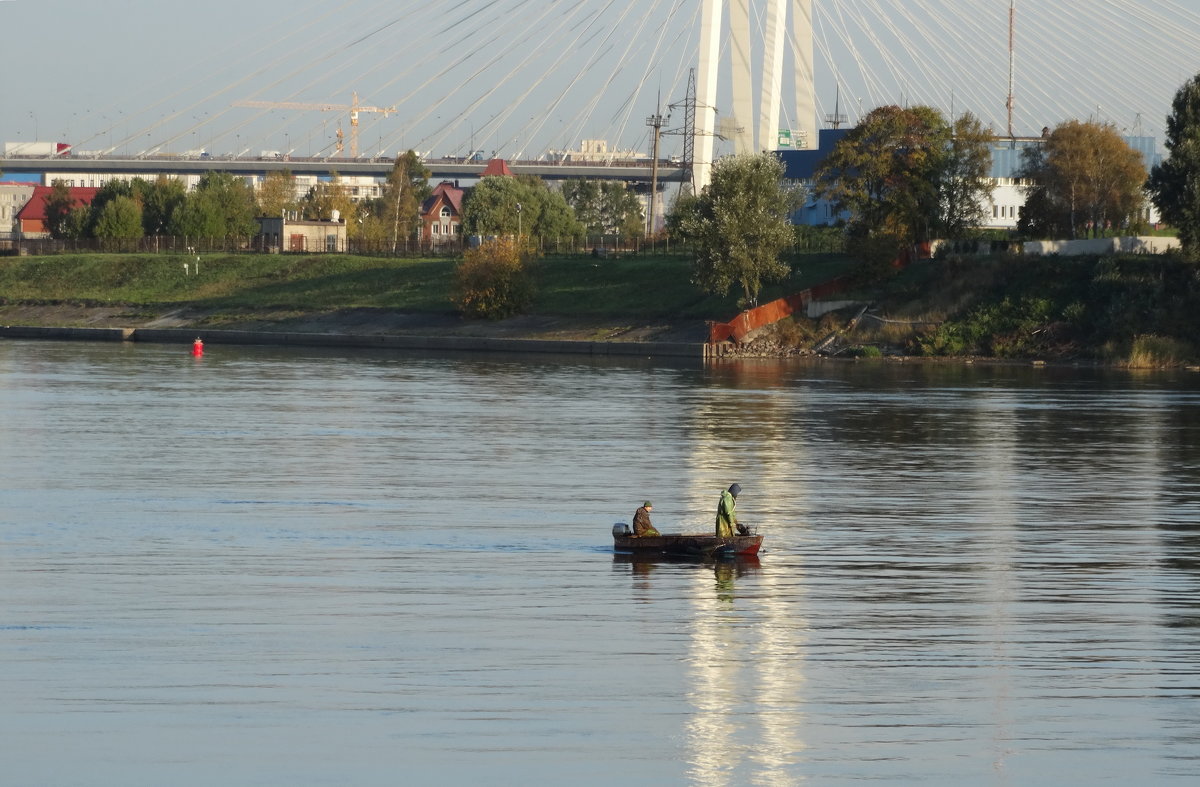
13 196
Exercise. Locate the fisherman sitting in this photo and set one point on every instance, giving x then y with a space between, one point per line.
641 521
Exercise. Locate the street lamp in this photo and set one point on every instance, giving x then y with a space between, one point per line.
518 222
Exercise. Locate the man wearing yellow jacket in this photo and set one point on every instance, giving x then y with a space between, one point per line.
726 513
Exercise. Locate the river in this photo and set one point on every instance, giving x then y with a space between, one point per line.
316 567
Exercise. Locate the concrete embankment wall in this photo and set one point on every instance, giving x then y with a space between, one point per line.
1141 244
437 343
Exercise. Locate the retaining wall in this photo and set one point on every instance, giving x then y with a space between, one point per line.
1140 244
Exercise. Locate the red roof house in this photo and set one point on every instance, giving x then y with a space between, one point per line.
441 214
31 220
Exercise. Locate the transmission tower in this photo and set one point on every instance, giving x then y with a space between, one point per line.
689 132
656 122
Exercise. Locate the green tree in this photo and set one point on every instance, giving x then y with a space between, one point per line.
120 217
964 179
739 225
585 198
1084 177
608 208
76 223
907 173
492 209
200 216
221 205
106 194
59 204
399 207
1175 183
159 202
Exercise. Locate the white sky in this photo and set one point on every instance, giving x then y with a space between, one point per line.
525 75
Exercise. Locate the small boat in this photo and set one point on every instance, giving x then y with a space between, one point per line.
684 544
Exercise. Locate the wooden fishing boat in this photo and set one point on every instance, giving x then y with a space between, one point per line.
685 544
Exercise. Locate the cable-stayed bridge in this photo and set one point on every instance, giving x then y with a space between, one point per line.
533 81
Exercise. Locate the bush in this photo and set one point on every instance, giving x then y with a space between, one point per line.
1156 352
864 351
492 281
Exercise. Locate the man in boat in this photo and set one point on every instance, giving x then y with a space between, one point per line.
641 521
726 513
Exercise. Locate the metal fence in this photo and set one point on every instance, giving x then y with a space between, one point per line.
599 246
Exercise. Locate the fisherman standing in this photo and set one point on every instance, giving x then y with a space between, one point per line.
641 521
726 513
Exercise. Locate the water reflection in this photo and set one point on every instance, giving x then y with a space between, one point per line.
973 574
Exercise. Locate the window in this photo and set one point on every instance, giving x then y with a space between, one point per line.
445 212
437 229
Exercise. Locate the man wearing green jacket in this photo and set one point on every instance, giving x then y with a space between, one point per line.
726 515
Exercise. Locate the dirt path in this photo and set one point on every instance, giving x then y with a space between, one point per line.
368 322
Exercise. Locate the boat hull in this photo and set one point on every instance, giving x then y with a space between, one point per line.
688 544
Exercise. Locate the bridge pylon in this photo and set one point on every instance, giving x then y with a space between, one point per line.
748 135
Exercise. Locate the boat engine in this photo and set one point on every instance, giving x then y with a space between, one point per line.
621 529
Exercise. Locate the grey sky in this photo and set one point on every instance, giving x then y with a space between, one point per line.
524 75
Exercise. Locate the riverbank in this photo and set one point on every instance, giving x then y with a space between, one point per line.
1138 310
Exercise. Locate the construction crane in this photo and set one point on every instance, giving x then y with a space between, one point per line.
354 108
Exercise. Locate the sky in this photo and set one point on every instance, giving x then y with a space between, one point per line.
520 77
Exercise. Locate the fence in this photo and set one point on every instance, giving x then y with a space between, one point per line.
597 245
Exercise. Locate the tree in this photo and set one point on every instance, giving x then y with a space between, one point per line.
492 282
1084 177
964 183
584 197
221 205
608 208
908 174
326 197
106 194
159 203
739 225
492 209
200 216
59 204
277 193
120 217
1175 183
406 188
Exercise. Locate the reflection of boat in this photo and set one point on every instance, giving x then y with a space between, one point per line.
643 562
685 544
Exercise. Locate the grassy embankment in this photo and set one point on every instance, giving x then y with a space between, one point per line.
1135 311
231 286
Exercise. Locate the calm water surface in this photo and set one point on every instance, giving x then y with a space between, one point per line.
308 567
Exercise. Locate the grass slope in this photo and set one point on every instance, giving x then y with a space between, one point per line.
633 286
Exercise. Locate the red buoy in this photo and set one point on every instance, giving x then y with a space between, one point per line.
197 347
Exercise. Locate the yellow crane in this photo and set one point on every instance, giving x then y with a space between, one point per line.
353 108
